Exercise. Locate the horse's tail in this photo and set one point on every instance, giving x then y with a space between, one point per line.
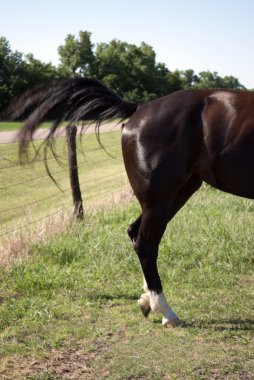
66 100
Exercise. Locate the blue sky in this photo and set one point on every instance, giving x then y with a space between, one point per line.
215 35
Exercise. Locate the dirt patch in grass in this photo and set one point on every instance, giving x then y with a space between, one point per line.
66 364
246 281
214 374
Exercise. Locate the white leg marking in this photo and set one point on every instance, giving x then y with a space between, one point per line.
145 287
158 304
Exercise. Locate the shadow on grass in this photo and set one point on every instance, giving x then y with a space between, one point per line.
217 325
211 324
221 325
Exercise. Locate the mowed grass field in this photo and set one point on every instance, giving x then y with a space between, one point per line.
68 309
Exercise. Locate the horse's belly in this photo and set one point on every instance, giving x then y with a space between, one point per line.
233 173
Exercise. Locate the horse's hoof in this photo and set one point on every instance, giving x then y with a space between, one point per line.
144 304
175 322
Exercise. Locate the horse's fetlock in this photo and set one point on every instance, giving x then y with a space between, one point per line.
158 302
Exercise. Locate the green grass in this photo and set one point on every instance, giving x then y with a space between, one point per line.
15 126
68 311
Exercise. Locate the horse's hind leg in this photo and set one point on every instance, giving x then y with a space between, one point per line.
152 226
133 229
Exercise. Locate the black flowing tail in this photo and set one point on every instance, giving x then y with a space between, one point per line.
69 100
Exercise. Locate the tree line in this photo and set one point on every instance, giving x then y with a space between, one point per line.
131 71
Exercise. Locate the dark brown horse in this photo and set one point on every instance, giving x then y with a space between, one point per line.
170 145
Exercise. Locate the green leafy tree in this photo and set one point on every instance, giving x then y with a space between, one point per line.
76 55
19 73
132 71
174 82
128 69
208 79
188 78
12 72
39 72
232 82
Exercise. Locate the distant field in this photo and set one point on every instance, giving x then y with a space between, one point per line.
14 126
68 310
27 193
